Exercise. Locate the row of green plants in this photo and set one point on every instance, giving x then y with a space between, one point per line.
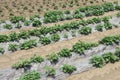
110 40
97 9
54 38
44 40
118 14
18 19
100 61
78 48
31 43
51 30
50 72
35 23
54 16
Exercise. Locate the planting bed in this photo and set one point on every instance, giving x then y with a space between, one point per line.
68 31
81 62
29 7
60 44
17 22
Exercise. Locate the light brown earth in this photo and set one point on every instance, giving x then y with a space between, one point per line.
28 8
108 72
8 59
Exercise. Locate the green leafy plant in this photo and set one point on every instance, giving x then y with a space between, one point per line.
24 35
105 19
109 57
31 75
53 57
65 53
85 30
45 40
34 32
117 52
73 33
55 37
78 16
108 7
14 36
97 61
50 71
68 17
18 25
118 14
99 27
13 47
36 23
2 50
36 59
21 64
117 7
16 19
65 36
83 23
110 40
28 44
27 23
74 25
80 47
32 18
108 25
96 20
67 12
68 68
4 38
7 26
52 16
98 12
89 21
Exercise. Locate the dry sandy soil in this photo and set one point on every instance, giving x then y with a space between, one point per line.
108 72
28 8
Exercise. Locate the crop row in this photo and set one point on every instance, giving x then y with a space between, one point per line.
54 16
53 58
51 30
45 40
100 61
97 61
96 10
50 72
78 48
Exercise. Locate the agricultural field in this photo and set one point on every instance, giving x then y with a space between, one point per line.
59 39
28 8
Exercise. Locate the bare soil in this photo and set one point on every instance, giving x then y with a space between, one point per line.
28 8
